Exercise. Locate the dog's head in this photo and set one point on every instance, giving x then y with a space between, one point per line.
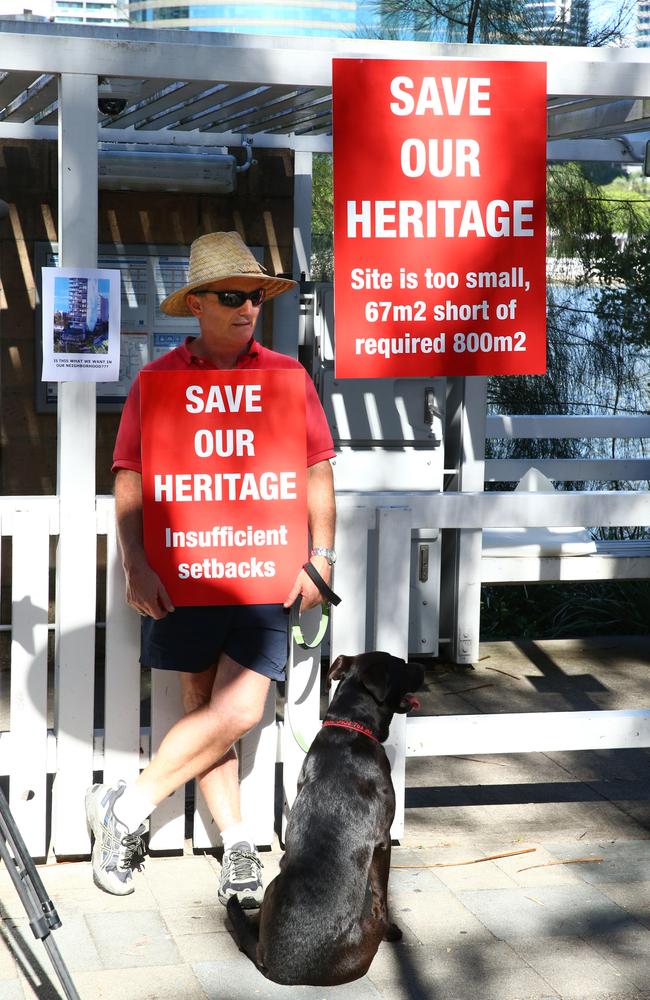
389 680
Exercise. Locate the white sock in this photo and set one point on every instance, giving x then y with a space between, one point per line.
236 833
132 807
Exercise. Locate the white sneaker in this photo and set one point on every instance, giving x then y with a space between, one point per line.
241 876
116 852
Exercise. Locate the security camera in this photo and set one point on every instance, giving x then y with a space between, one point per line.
113 95
111 105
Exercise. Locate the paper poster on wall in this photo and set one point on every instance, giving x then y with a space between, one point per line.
224 483
81 324
439 217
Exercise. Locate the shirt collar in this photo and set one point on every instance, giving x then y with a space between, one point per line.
251 351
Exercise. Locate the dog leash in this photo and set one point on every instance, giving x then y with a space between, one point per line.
329 598
297 634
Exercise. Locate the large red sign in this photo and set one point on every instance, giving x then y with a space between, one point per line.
439 217
224 483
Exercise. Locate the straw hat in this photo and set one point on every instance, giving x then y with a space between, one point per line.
222 258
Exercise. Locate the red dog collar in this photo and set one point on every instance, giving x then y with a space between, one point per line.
355 726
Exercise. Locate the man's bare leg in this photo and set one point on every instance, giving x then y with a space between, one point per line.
241 866
197 741
219 783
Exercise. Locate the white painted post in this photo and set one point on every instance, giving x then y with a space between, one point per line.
28 699
466 405
392 628
286 308
122 672
167 823
204 828
302 205
258 753
348 625
76 555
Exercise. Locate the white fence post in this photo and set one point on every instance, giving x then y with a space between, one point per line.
167 822
77 548
122 671
258 753
348 625
461 583
392 628
28 701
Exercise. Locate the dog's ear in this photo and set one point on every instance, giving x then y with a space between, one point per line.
339 668
375 678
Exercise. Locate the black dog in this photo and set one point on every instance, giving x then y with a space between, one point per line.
324 915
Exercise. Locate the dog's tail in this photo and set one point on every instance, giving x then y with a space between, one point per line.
245 932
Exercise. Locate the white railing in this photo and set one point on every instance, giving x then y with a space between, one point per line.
395 516
622 559
561 427
29 748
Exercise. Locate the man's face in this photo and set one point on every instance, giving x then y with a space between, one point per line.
220 323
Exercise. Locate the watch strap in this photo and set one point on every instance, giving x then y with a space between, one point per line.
325 552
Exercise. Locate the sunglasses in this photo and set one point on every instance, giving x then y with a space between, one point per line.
235 299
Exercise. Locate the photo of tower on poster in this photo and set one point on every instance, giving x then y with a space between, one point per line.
81 312
81 324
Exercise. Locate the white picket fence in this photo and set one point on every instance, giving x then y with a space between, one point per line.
29 749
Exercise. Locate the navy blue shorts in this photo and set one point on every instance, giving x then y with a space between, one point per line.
192 639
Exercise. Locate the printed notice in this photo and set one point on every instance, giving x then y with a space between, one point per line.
81 324
439 218
224 483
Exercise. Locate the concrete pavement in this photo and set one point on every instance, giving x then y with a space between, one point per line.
566 915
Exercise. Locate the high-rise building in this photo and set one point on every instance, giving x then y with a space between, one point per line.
329 18
91 11
70 11
642 24
78 300
560 22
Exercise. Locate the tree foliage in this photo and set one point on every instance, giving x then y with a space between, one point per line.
322 194
322 219
598 320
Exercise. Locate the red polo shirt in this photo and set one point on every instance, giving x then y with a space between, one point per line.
126 454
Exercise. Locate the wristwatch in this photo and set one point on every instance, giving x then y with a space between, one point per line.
328 554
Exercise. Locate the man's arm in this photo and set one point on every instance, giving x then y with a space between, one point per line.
321 513
144 589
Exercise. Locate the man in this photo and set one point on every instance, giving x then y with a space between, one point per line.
226 656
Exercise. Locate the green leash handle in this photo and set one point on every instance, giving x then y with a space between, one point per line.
296 629
294 612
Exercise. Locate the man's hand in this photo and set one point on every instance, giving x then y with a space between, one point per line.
145 591
321 514
304 585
